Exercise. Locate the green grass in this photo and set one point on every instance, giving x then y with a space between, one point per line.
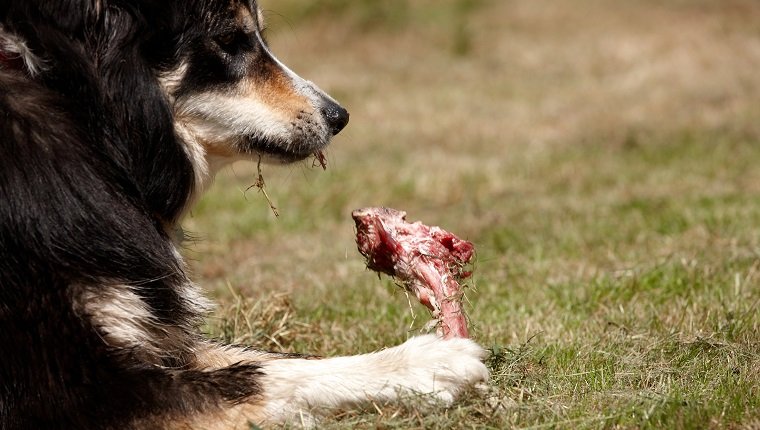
605 168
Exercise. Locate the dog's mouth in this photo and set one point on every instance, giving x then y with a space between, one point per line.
277 152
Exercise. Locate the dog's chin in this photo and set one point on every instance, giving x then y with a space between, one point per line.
276 152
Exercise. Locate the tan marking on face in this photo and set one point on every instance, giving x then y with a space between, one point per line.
275 89
272 86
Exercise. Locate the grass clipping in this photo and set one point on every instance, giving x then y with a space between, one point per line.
261 185
319 160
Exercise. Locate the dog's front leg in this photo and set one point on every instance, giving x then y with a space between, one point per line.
298 388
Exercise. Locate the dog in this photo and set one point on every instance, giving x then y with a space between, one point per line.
114 117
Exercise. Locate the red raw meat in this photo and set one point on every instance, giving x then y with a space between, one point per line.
428 261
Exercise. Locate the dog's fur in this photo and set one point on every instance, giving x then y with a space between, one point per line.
114 116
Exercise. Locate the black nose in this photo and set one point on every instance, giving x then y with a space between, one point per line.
335 115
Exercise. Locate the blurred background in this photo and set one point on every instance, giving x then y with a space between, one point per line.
604 157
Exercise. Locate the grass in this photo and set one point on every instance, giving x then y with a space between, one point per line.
602 156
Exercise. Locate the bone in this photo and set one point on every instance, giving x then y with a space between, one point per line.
429 262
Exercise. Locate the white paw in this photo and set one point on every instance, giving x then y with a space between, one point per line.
443 368
427 365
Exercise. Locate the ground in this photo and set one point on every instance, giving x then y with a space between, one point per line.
603 156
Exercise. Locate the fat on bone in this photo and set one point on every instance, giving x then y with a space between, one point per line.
428 261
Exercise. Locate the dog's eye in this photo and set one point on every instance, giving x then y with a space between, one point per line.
226 40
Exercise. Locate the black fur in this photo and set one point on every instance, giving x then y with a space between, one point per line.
92 180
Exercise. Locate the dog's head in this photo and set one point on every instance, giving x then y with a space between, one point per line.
169 90
232 98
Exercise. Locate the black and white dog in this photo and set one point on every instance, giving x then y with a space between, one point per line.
114 116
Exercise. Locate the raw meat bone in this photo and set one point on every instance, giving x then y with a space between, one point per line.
427 261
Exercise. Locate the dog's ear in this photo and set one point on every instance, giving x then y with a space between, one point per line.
136 34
